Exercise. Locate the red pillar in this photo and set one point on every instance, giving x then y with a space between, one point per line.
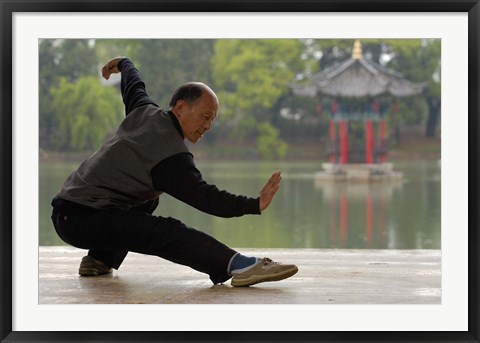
369 141
369 219
333 137
343 141
343 218
333 223
383 156
382 217
334 106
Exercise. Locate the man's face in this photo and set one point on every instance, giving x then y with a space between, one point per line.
196 120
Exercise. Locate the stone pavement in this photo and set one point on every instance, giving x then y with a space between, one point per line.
324 277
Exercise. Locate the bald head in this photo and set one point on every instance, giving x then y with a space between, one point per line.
190 93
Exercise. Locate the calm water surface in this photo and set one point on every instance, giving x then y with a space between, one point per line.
304 214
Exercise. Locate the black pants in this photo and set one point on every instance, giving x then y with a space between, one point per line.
110 234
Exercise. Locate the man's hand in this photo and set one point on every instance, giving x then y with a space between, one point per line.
269 190
111 67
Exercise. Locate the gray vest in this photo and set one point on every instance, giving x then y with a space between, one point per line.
118 174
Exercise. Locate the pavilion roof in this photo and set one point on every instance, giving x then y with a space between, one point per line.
357 77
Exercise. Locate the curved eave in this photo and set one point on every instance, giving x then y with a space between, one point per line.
359 78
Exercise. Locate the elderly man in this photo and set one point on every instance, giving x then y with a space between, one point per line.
106 205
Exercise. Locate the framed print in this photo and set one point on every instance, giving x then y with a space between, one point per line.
25 318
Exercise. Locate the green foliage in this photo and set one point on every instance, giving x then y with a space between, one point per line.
252 74
85 112
105 49
166 64
67 58
269 144
419 60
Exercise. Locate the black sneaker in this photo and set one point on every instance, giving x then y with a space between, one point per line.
92 267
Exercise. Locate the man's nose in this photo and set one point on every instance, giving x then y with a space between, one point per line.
207 125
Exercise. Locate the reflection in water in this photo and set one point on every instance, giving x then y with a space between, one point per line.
371 197
305 213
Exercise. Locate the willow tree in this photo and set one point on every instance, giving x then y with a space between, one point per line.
86 112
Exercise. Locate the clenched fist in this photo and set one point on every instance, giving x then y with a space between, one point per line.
111 67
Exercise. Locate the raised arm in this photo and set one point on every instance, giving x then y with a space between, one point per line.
133 88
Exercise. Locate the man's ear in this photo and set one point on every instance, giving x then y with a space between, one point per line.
179 107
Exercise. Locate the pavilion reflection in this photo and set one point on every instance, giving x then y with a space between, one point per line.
358 209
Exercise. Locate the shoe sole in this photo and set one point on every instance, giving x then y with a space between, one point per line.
254 279
91 272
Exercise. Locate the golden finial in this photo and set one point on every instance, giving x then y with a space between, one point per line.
357 50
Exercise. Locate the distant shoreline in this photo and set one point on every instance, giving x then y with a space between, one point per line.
202 155
413 146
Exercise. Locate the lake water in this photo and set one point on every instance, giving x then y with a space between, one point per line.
304 214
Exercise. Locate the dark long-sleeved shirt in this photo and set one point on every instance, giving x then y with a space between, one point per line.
177 175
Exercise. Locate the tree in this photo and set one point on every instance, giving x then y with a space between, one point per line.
420 60
269 145
105 49
47 77
251 76
60 58
71 60
86 111
165 64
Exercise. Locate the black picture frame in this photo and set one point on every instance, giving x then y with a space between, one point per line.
9 7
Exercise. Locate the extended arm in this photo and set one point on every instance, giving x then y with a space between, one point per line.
178 176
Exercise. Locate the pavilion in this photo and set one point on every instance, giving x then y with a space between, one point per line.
363 80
